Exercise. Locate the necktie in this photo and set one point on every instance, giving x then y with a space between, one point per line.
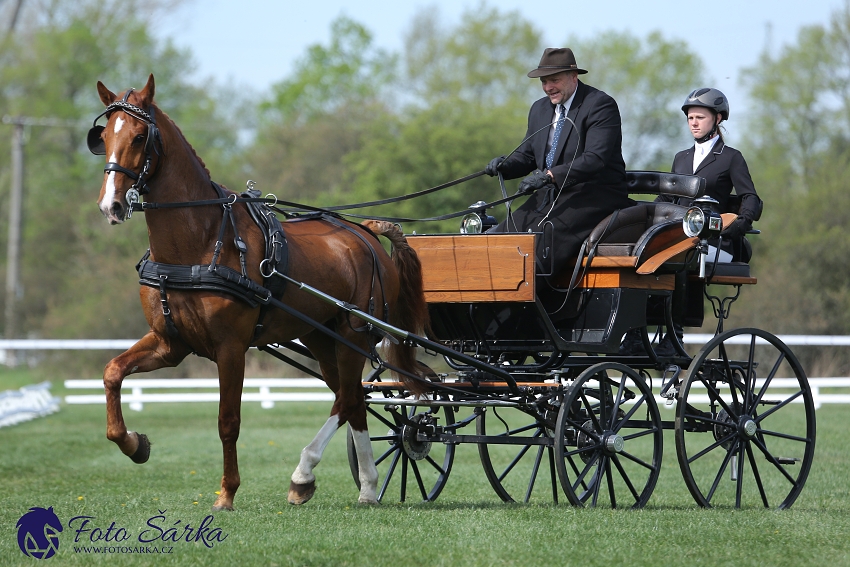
550 157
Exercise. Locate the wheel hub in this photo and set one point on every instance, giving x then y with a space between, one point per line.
413 447
613 443
747 427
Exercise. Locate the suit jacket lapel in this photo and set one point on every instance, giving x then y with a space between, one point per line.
567 128
716 150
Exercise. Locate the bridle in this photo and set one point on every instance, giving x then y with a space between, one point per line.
153 144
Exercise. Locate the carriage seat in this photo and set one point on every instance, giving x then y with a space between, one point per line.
630 231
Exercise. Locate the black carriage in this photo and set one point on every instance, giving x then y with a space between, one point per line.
541 388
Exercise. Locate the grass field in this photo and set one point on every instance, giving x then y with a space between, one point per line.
65 461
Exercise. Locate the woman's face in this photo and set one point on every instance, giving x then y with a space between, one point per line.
701 120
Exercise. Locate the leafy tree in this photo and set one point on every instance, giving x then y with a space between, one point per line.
649 78
319 114
77 273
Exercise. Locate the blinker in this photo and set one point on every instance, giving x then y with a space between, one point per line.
95 141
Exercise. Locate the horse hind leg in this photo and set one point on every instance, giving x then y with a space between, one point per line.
302 485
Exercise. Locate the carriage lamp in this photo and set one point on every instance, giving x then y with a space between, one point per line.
478 221
701 220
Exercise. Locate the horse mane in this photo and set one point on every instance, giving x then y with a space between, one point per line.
183 136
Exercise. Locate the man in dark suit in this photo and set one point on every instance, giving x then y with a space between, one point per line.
574 147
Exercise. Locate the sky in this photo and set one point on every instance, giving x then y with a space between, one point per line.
256 42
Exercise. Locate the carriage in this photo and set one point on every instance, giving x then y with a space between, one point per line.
539 387
581 419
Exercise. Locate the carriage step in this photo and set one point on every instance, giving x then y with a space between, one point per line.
787 460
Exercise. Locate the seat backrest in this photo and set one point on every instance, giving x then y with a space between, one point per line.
660 183
632 222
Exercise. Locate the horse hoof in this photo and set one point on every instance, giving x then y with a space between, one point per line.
219 508
363 502
143 451
301 493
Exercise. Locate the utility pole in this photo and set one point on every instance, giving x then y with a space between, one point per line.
13 250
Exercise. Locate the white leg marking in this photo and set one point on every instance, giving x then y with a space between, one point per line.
312 453
366 463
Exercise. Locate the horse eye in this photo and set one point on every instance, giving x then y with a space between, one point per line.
139 139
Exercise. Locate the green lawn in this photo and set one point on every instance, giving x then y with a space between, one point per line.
65 461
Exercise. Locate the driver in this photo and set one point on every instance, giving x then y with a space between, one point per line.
574 149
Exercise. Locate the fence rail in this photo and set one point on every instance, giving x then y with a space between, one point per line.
136 396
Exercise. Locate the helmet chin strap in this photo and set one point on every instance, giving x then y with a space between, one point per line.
708 136
711 132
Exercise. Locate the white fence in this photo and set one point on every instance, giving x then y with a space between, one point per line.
133 391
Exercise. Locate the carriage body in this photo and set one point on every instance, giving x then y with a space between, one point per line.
640 270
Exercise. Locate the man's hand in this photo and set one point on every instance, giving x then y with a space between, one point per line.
533 182
493 166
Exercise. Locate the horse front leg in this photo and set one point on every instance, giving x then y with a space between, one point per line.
150 353
231 374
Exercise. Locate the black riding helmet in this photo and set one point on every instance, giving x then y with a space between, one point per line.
708 98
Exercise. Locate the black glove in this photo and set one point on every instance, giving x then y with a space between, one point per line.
737 229
533 182
493 166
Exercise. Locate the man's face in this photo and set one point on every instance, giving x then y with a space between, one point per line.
560 86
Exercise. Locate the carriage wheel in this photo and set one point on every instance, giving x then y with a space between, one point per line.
517 467
612 438
745 422
406 464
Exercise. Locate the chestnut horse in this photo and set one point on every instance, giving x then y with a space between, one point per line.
139 137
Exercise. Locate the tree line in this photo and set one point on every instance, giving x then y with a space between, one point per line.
353 122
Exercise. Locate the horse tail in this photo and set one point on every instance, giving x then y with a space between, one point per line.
410 312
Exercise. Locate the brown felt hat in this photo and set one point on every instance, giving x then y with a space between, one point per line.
555 60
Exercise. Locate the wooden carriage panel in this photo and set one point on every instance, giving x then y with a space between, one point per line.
467 268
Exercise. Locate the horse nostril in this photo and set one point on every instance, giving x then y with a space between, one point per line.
117 210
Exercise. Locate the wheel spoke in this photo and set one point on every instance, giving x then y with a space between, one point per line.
382 419
434 464
784 436
589 465
600 471
779 406
750 378
554 481
769 378
639 434
405 463
640 401
386 454
739 485
718 398
419 482
638 461
389 475
757 476
771 459
534 470
626 478
712 447
513 463
617 401
610 478
593 418
720 472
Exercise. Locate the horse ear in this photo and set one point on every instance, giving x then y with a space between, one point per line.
107 97
148 92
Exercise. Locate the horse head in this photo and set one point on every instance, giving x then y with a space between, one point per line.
131 141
